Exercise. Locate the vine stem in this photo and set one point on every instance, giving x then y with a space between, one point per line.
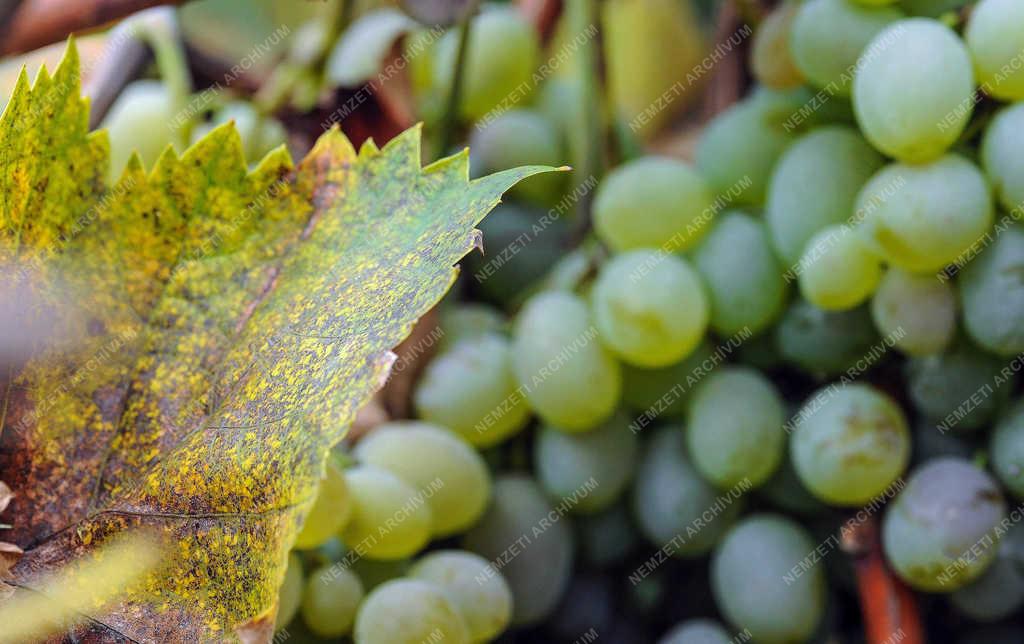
451 112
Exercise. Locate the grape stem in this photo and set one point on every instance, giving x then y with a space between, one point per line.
888 606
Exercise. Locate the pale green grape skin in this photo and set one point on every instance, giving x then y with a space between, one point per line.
849 444
824 342
390 518
666 390
289 596
697 631
1007 450
330 512
574 394
589 470
409 611
477 591
838 271
673 502
992 292
529 542
744 280
999 591
500 59
1002 160
995 38
652 202
913 90
520 137
428 457
771 61
649 307
960 388
139 121
755 586
330 601
941 532
922 217
472 390
468 320
739 148
815 184
734 433
828 37
917 311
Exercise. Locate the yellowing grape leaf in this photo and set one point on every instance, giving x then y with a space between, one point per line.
219 329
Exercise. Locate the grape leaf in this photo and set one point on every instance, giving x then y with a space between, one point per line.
225 326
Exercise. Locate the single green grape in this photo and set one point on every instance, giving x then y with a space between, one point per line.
995 38
760 585
428 457
838 271
652 202
330 601
943 529
771 59
732 443
467 320
1002 160
922 217
140 120
589 471
815 185
409 611
289 596
390 518
913 90
650 307
1007 449
472 389
824 342
566 374
992 292
330 512
744 280
917 311
477 591
828 36
520 137
849 444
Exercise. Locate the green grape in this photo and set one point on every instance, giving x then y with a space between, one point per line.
675 507
1002 160
140 120
520 137
330 601
1007 451
289 596
589 471
529 543
849 444
472 389
468 320
743 277
566 374
922 217
913 91
815 184
828 36
999 591
409 611
477 591
501 57
428 457
786 491
739 148
390 518
992 293
652 202
995 38
650 307
824 342
943 529
729 443
330 512
917 311
666 390
608 537
697 631
838 271
960 388
759 584
771 61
